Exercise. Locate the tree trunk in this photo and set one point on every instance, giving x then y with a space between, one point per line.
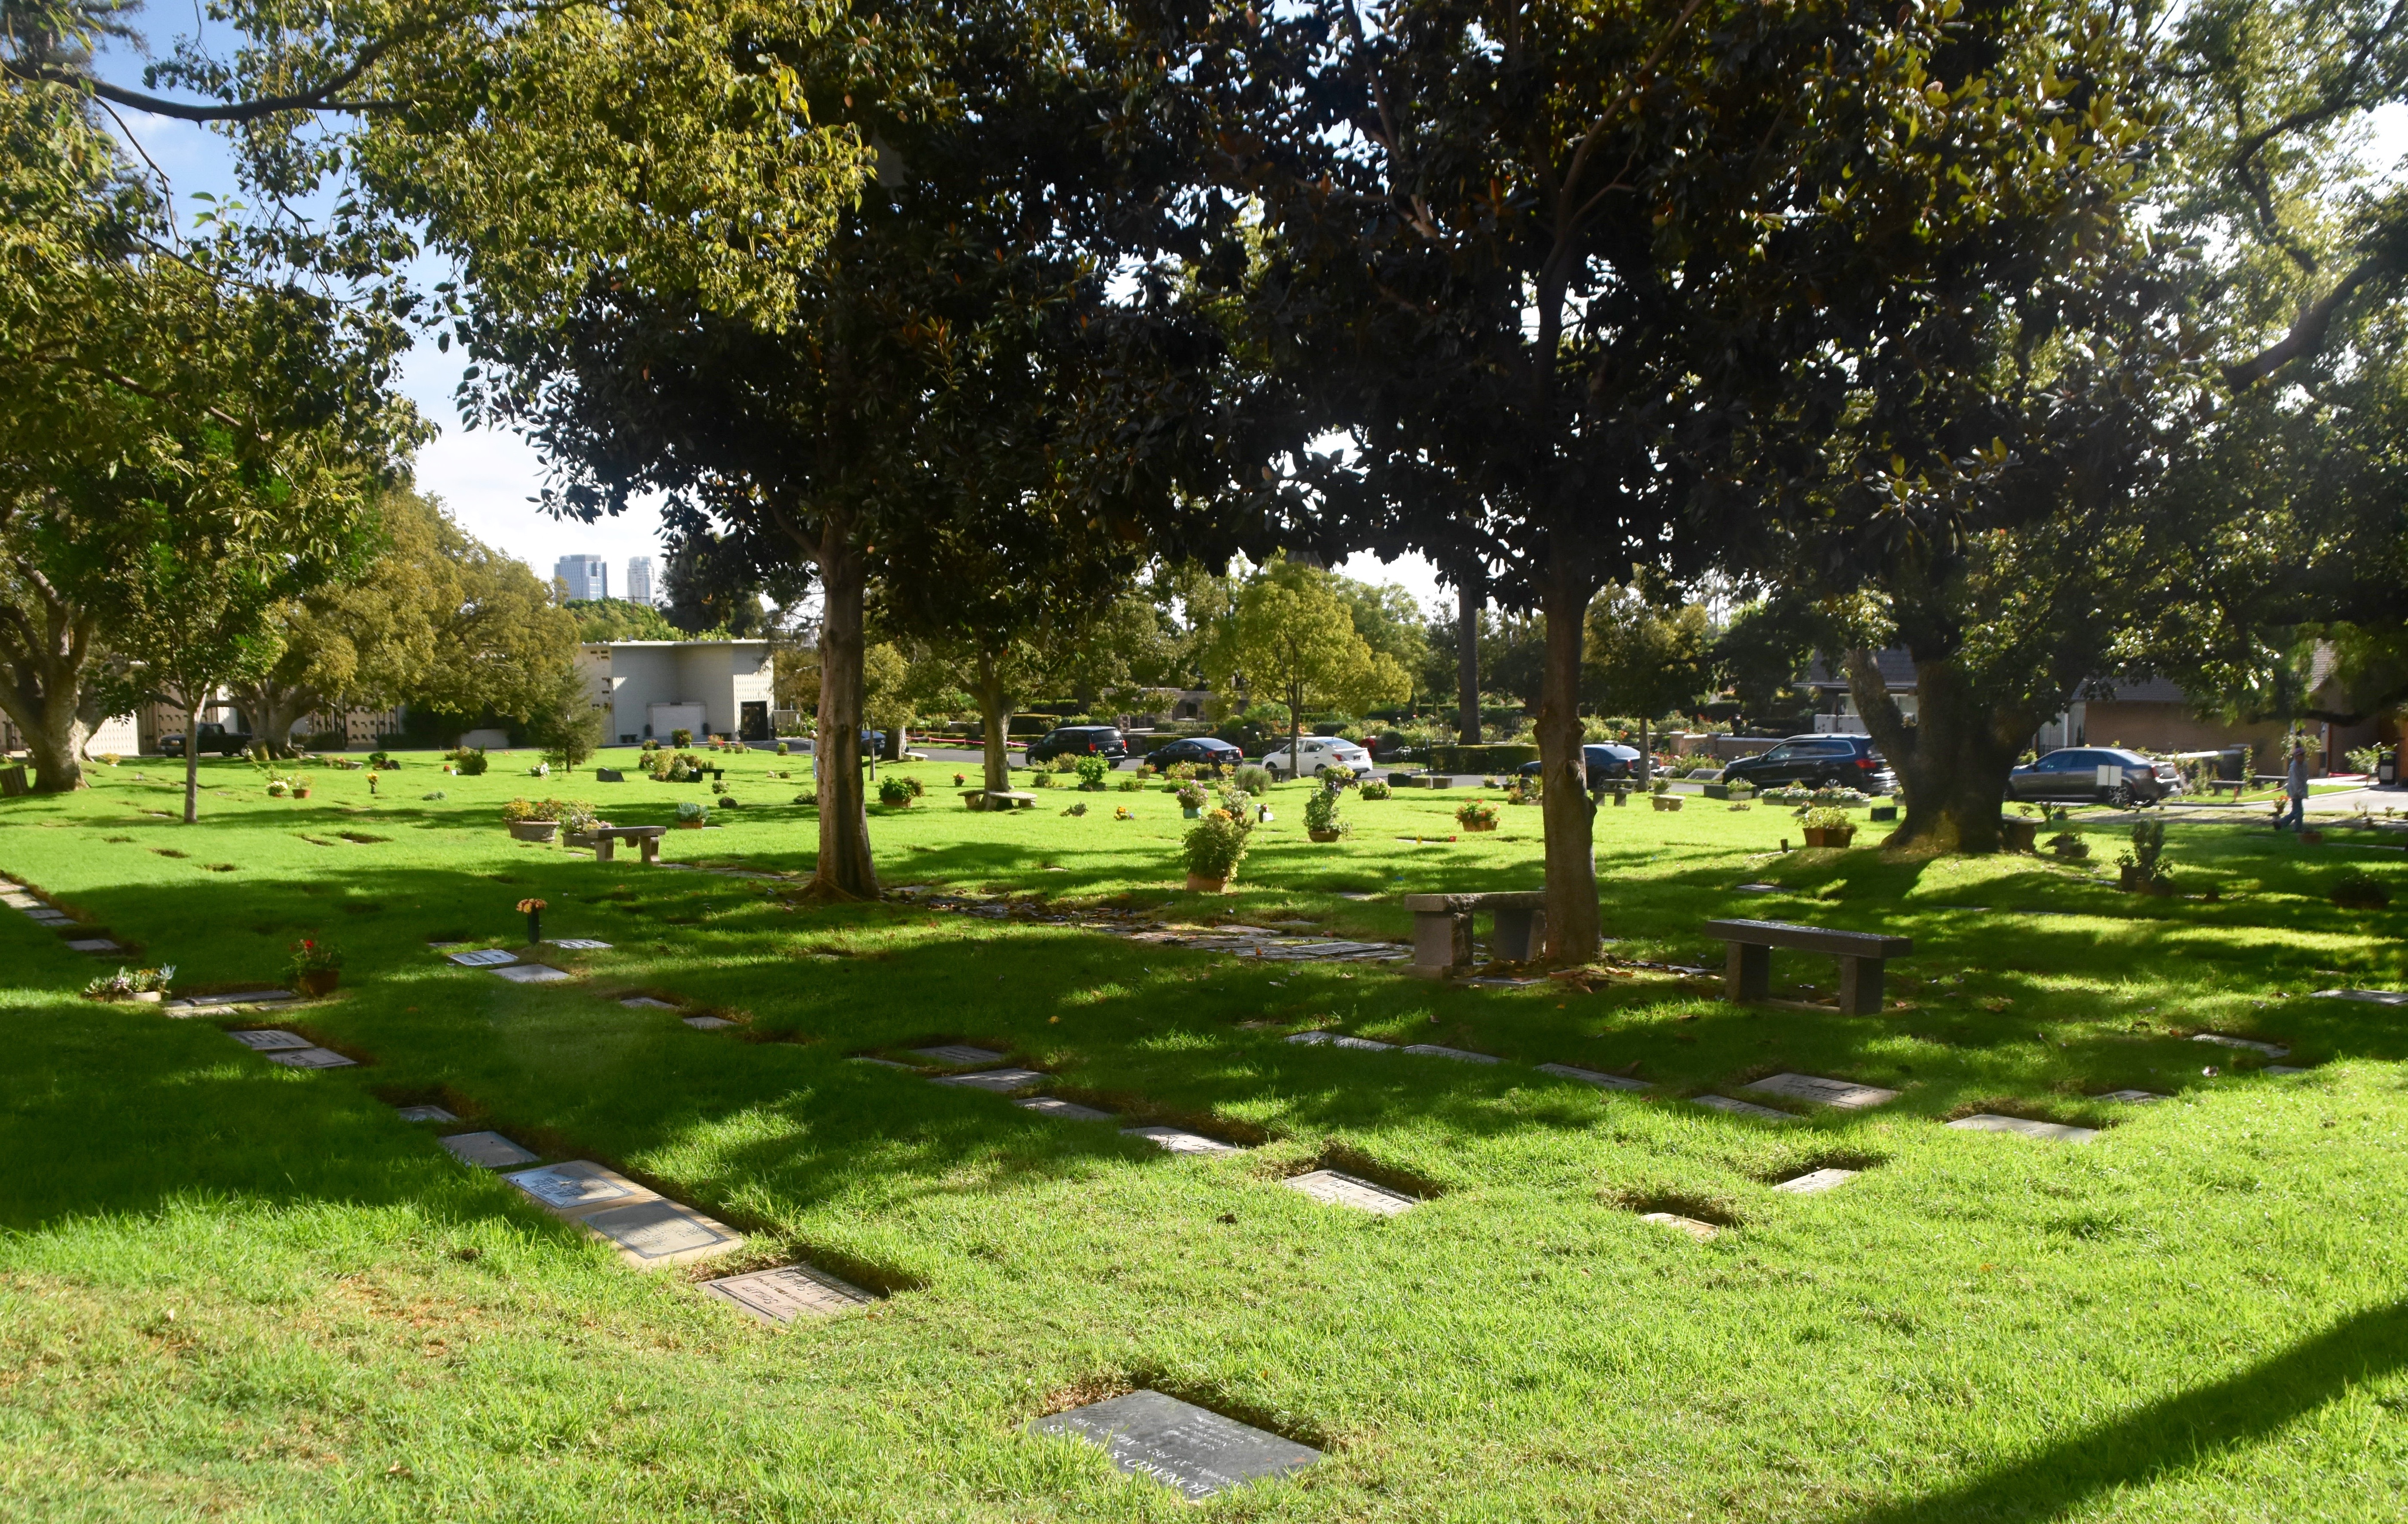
1646 755
1469 599
193 758
1296 729
896 740
1563 803
54 740
44 645
273 709
995 724
1952 765
844 871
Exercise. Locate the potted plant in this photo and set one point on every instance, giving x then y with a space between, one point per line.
530 822
1322 821
2138 868
1476 816
1214 846
316 968
895 792
148 985
1660 794
1828 826
1374 788
692 814
2069 847
1191 799
468 761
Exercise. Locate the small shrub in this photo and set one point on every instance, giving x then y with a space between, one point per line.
1475 814
1092 771
2361 891
1043 780
1131 786
2148 845
519 812
1661 785
2069 847
718 785
1321 812
1064 764
1254 780
438 794
808 797
1078 809
693 809
1376 789
651 745
1216 844
895 793
469 761
1828 818
680 736
1180 770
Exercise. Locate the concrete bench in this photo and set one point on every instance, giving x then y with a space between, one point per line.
998 798
1861 953
605 840
1442 928
2236 786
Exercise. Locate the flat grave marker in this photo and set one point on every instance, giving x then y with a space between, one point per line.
1339 1039
662 1232
1742 1108
1069 1110
94 945
2283 1068
1590 1076
645 1002
883 1063
581 944
578 1186
2372 996
708 1024
996 1080
532 973
424 1114
2271 1050
1818 1181
2046 1131
487 1150
2133 1098
1704 1233
1845 1094
1434 1050
311 1058
216 1003
788 1292
1194 1451
1337 1189
1757 888
271 1041
960 1053
1180 1141
484 958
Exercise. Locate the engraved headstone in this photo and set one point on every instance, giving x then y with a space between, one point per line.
708 1024
996 1080
245 997
1433 1050
2049 1131
1194 1451
1346 1190
1590 1076
424 1114
1816 1182
662 1232
2134 1098
532 973
788 1292
1845 1094
1703 1232
270 1042
581 944
484 958
487 1150
94 945
1338 1040
2372 996
882 1063
2283 1068
2271 1050
1741 1108
1180 1141
645 1002
1066 1111
960 1053
578 1186
1757 888
311 1058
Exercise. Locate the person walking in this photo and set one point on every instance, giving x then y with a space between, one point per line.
2295 788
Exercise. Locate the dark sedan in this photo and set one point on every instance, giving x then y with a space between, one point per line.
2103 774
1817 762
1204 751
1607 764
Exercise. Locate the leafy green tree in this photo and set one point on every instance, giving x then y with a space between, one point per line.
500 643
568 719
1292 635
603 620
1645 660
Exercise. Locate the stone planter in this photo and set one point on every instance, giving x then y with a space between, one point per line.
2018 835
1323 836
148 997
1665 802
1829 836
1198 884
689 825
315 982
1479 825
534 830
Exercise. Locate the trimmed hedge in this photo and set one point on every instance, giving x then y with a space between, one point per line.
1481 759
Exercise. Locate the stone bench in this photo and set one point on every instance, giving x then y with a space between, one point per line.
1442 928
605 840
1008 799
1861 953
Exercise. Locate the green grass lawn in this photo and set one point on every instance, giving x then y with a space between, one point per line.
236 1291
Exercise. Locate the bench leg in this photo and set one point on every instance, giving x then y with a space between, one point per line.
652 849
1747 973
1442 942
1521 934
1860 987
605 848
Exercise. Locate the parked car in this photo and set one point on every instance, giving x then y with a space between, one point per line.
1607 764
215 739
1078 740
2071 773
1204 751
1817 762
1314 753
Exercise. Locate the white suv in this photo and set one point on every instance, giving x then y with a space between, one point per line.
1319 751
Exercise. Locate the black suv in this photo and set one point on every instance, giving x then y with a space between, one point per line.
1078 740
214 738
1606 763
1818 762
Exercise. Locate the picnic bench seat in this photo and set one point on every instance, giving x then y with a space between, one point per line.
1442 928
2236 786
989 798
605 840
1747 974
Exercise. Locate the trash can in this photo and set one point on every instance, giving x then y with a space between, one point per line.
2386 768
2233 762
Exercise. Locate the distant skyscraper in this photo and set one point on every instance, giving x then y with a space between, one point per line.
587 576
639 579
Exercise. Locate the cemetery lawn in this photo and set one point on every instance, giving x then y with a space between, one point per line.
238 1291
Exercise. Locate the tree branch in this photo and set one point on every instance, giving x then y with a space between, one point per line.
2307 335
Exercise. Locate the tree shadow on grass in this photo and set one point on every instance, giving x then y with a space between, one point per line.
2171 1434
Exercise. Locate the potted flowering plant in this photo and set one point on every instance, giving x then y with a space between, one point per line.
144 984
529 821
692 814
1830 827
533 911
1214 846
1322 820
1476 816
1191 799
1660 794
315 968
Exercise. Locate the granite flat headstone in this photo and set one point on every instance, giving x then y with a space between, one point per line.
1194 1451
1180 1141
2271 1050
662 1232
1347 1191
270 1042
1817 1182
1338 1040
960 1053
581 944
1067 1110
94 945
2283 1068
576 1188
2372 996
1742 1108
487 1150
311 1058
2134 1098
532 973
2047 1131
882 1063
645 1002
996 1080
1757 888
788 1292
1434 1050
246 997
424 1114
1704 1233
1590 1076
1844 1094
484 958
708 1024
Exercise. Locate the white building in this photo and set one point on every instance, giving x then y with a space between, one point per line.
654 688
585 577
639 579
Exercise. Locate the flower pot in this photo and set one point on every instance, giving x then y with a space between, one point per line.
533 830
301 792
317 981
1665 802
1192 812
1829 836
2018 835
2127 877
1198 884
689 825
1479 825
148 997
1323 836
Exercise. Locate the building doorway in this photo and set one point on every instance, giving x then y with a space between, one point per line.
752 724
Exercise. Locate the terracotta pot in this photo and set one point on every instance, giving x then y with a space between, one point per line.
689 825
317 981
1198 884
1829 836
1480 825
301 792
1323 836
534 830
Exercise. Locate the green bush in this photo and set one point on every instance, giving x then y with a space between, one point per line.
680 736
1254 780
1092 771
895 793
469 761
1321 812
1375 789
1216 844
